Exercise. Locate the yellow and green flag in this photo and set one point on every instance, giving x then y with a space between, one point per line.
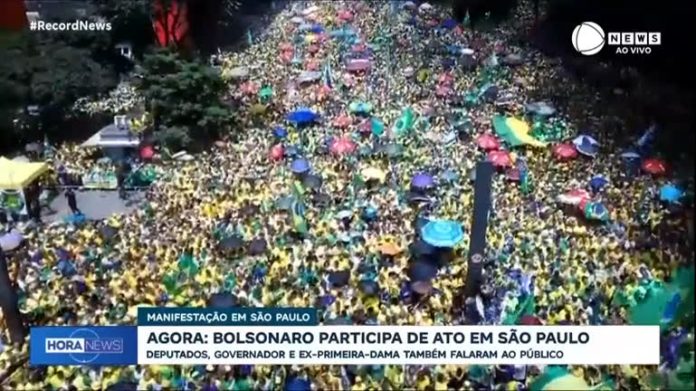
515 131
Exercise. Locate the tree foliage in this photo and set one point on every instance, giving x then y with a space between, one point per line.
49 74
184 97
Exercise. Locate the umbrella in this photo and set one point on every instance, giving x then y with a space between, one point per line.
630 155
312 181
340 278
342 121
565 151
123 386
598 182
302 116
345 15
393 150
147 152
239 72
442 233
358 65
222 300
344 214
285 202
408 71
654 166
299 166
249 88
258 246
298 384
308 77
297 20
232 243
670 194
449 24
422 271
422 181
421 287
369 287
369 213
596 211
277 152
586 145
541 108
499 158
360 108
266 93
280 132
487 142
108 232
373 173
343 146
285 47
389 249
11 241
258 109
420 248
442 91
574 197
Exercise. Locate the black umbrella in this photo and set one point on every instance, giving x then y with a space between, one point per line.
491 93
340 278
422 271
258 246
322 199
108 232
421 249
369 287
222 300
123 386
312 181
232 243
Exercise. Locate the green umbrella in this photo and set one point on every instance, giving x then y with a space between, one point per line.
266 93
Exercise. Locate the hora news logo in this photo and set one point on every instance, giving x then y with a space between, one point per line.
84 346
589 38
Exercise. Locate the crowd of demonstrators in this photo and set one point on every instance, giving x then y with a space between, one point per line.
220 223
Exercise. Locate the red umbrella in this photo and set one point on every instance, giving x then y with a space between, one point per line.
343 121
286 57
311 65
277 152
445 79
499 158
487 142
147 152
343 146
345 15
565 151
530 320
654 166
512 174
442 91
249 88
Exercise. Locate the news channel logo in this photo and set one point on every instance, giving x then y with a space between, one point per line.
589 38
83 345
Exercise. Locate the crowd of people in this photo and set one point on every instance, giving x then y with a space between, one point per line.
227 221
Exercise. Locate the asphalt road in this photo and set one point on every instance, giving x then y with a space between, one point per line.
94 204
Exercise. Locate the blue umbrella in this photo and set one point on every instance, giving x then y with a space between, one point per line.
598 182
442 233
222 300
280 132
298 384
299 166
339 278
370 213
422 271
670 194
422 181
316 29
449 24
586 145
302 116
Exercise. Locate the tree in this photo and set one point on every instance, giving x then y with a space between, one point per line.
8 302
49 74
130 21
184 95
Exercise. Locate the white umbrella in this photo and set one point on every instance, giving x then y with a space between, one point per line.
11 241
425 7
308 76
239 72
297 20
467 52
